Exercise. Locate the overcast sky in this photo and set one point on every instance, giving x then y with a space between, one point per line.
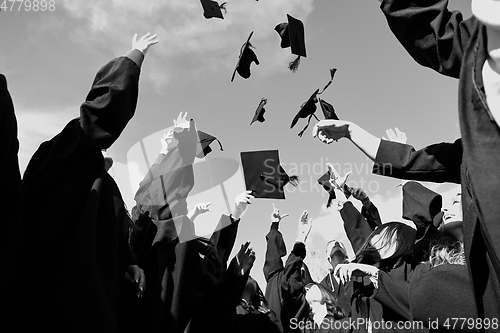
50 59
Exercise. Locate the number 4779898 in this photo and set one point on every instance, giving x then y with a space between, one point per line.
28 5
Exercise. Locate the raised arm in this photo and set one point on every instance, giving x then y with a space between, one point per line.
112 100
434 36
276 248
436 163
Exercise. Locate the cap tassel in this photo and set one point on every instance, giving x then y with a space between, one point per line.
308 122
294 65
220 145
223 7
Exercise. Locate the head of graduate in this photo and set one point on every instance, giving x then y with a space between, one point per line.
387 246
336 253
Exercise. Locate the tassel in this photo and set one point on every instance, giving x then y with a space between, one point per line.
294 65
223 7
308 121
220 145
294 180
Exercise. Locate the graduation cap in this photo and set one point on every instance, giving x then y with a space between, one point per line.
328 187
328 110
213 9
293 35
259 113
264 175
308 109
205 141
245 59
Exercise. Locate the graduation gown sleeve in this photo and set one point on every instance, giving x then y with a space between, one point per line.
434 36
355 226
275 250
436 163
371 215
225 236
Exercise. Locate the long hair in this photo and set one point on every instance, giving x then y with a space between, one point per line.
446 250
329 299
404 236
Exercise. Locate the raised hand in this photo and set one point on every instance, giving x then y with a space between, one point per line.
359 194
135 274
166 141
336 180
305 226
397 136
346 271
202 208
244 260
330 130
275 216
181 122
144 42
241 203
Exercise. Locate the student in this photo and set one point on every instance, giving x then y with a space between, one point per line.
469 51
71 250
443 162
285 283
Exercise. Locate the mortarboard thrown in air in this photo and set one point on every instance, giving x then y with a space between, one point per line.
308 109
259 113
245 59
205 141
328 187
212 9
293 35
264 175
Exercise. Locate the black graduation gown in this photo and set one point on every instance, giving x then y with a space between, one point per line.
285 284
72 248
445 42
446 160
365 301
11 180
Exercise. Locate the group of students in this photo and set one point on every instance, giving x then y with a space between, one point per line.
74 259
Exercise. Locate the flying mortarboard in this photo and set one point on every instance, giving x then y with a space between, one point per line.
264 175
293 35
245 59
308 109
328 187
259 113
205 141
328 110
213 9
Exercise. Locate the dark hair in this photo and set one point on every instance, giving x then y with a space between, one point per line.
405 239
328 298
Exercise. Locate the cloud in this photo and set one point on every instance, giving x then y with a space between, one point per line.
185 35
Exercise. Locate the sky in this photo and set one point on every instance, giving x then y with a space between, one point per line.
50 59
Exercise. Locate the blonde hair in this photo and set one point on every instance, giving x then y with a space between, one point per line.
447 251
